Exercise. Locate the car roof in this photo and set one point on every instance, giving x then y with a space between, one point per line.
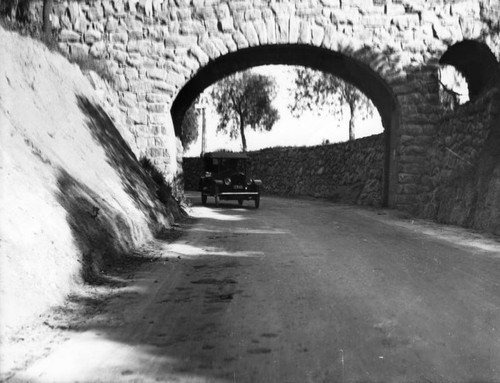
225 155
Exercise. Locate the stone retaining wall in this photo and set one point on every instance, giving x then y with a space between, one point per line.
465 167
347 172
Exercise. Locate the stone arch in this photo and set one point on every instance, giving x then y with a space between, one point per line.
476 62
339 64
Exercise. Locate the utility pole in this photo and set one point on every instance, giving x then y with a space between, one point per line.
202 105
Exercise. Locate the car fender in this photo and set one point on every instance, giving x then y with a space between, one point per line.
257 182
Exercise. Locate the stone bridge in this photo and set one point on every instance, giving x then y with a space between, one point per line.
163 53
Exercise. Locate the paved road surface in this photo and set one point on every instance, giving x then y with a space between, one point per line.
296 291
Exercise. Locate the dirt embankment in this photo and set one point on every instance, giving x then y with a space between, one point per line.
73 196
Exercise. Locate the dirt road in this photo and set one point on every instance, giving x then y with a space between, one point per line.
296 291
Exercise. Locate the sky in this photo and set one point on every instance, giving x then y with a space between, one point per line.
308 130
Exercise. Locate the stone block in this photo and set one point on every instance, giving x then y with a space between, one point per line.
252 14
199 54
180 41
139 46
91 36
207 45
78 26
406 21
293 34
98 49
392 9
119 37
95 13
184 14
78 50
282 29
74 11
157 108
282 9
191 64
261 29
412 150
248 31
159 97
138 116
466 9
304 32
111 24
330 37
317 35
135 60
120 82
129 99
240 40
271 29
226 24
222 11
331 3
140 86
67 36
307 12
441 32
204 13
413 168
157 118
175 79
157 74
405 201
407 189
240 6
108 8
119 56
164 86
375 21
192 27
136 34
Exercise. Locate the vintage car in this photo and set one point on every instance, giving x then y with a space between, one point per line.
225 178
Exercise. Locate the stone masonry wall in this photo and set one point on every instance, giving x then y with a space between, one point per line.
465 166
348 172
154 47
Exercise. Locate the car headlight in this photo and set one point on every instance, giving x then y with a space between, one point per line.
227 181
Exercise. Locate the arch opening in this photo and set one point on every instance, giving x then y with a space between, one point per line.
346 68
475 61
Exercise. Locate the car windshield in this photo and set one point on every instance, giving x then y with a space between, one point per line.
225 166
